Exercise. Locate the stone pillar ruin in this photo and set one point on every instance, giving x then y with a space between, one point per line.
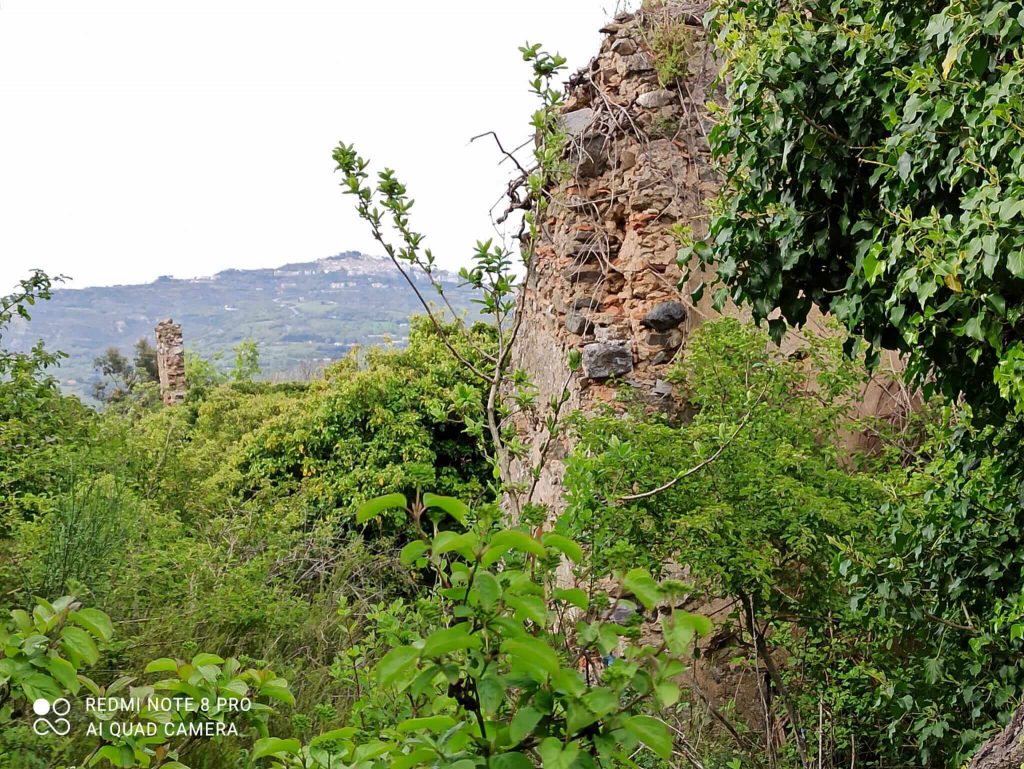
170 361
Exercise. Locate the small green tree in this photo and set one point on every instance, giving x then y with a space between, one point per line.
247 362
119 376
506 678
385 206
145 361
872 154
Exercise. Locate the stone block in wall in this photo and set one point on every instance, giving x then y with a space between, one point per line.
577 122
660 97
667 339
602 360
665 316
578 324
587 274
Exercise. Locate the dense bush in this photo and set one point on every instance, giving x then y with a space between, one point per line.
872 154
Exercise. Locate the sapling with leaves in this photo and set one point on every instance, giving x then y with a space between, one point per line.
43 655
37 286
385 206
506 679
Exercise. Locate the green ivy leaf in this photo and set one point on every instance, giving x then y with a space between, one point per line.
523 724
276 747
454 507
95 621
511 539
569 548
374 507
162 665
448 640
652 733
412 551
65 673
532 656
79 645
641 584
395 664
511 760
433 724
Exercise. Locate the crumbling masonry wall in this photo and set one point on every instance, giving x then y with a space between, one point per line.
604 279
170 361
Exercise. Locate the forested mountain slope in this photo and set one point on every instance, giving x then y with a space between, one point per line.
301 315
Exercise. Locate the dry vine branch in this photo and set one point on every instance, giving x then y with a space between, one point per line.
700 465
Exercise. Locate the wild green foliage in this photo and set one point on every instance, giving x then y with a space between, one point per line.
503 678
203 374
44 651
225 524
385 206
501 673
122 378
35 421
762 511
872 155
400 423
672 45
942 602
15 365
42 656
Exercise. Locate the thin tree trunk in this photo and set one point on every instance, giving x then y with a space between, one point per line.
761 649
1005 750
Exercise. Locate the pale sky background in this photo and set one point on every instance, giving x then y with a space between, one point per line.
141 138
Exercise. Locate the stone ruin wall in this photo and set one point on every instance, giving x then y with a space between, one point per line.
604 279
170 361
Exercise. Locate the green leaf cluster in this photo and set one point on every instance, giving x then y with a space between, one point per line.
872 155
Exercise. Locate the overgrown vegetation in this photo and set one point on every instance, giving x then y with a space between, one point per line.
355 557
871 154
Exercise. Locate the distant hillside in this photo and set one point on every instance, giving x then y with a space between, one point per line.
301 314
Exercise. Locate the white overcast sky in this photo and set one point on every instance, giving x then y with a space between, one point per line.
147 137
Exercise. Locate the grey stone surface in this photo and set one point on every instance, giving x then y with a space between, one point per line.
589 156
661 387
606 359
577 324
638 62
591 251
655 99
669 339
585 303
578 121
624 46
170 362
584 273
665 316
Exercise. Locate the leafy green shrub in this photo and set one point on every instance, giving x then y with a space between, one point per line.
942 602
872 155
672 46
82 539
399 423
751 496
497 678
